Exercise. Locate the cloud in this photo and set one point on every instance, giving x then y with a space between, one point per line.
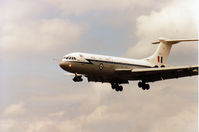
178 19
185 118
167 106
57 114
26 31
40 35
80 7
6 124
27 27
15 109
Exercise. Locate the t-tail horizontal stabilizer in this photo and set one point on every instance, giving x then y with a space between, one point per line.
173 41
159 58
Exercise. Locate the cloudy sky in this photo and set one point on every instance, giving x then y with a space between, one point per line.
37 97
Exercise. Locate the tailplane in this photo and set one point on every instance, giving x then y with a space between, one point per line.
159 58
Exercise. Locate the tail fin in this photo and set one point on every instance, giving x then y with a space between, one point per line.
159 58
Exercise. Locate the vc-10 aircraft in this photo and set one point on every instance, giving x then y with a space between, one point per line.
117 70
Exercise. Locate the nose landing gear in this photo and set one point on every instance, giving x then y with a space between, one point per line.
143 85
77 79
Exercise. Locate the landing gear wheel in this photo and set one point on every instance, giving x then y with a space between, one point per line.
143 85
139 84
116 86
117 89
120 88
77 79
112 87
147 87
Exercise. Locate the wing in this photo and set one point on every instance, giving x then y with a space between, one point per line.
157 74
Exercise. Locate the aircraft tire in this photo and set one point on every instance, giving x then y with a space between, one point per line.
77 79
114 85
117 89
147 86
143 86
139 84
120 88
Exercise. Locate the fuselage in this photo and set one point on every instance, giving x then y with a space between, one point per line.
99 67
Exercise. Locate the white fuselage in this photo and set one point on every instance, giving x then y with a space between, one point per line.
99 67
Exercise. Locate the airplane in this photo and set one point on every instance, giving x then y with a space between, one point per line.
117 70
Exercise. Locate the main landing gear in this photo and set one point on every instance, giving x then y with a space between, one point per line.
116 86
77 79
143 85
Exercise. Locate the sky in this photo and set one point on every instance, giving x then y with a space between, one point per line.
36 96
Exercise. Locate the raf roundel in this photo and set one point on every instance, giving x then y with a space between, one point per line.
101 66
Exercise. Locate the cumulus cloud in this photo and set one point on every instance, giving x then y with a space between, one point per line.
24 30
178 19
160 109
41 35
26 26
15 109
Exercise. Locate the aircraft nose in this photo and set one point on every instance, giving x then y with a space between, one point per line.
63 64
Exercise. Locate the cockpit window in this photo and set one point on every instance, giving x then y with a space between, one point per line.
70 58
